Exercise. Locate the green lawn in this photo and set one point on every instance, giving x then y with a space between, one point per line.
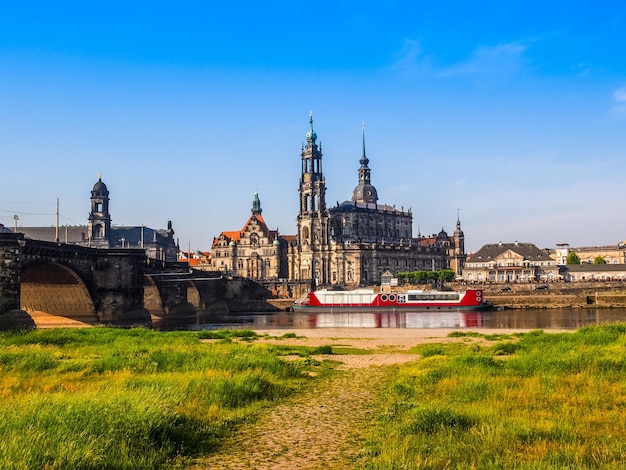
132 399
531 401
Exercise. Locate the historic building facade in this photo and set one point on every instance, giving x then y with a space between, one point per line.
255 251
100 233
511 262
611 254
356 241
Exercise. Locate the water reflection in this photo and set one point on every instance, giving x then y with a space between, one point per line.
526 319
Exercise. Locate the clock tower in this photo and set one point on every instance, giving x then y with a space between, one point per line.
310 255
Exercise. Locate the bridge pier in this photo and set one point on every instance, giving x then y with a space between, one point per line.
118 287
11 317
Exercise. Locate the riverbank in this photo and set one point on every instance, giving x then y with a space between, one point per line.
557 295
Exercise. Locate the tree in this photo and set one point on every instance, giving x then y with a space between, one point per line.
572 258
599 260
447 275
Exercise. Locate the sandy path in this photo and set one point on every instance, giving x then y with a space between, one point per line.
322 428
319 429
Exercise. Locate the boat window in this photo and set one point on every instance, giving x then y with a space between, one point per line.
434 296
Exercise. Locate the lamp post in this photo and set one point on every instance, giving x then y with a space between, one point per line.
15 218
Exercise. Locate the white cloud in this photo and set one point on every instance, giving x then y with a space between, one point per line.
619 95
484 61
499 60
410 61
618 111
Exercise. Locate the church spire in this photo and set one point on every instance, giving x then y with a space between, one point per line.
364 192
364 159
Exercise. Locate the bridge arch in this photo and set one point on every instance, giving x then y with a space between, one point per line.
193 296
50 290
170 296
152 296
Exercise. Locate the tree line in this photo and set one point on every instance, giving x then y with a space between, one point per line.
573 258
426 277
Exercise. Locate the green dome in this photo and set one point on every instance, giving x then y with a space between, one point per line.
311 136
232 243
276 242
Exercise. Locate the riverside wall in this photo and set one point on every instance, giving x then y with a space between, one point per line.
557 295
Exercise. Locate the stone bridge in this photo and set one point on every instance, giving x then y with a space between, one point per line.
43 282
89 285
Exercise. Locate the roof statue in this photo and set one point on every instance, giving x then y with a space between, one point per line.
256 205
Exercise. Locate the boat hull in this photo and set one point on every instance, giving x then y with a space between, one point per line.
404 308
365 300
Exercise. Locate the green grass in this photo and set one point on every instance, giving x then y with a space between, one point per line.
531 401
132 399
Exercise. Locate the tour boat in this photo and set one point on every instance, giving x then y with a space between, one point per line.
367 299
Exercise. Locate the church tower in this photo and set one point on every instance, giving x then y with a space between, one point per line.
459 247
364 192
99 227
313 217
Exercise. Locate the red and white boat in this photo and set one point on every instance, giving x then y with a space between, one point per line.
368 299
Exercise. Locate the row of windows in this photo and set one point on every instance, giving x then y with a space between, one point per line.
517 264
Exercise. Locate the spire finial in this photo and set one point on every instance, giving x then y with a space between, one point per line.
311 136
363 130
100 176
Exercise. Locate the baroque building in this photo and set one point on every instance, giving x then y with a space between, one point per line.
100 233
358 240
255 251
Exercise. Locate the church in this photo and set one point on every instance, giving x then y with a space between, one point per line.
100 233
349 245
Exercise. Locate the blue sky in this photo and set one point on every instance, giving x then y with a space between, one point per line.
513 114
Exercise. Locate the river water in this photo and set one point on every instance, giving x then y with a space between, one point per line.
566 319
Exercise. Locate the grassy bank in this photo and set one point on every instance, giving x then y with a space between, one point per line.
131 399
528 401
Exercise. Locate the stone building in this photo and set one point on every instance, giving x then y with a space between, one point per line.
255 251
611 254
510 262
100 233
593 272
356 241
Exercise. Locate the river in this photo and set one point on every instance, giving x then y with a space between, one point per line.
566 319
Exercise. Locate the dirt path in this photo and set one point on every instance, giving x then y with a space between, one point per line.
323 427
319 429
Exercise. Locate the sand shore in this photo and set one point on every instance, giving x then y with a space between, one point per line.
387 345
373 338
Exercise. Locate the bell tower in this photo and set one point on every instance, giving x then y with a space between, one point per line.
365 192
459 247
313 218
99 218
